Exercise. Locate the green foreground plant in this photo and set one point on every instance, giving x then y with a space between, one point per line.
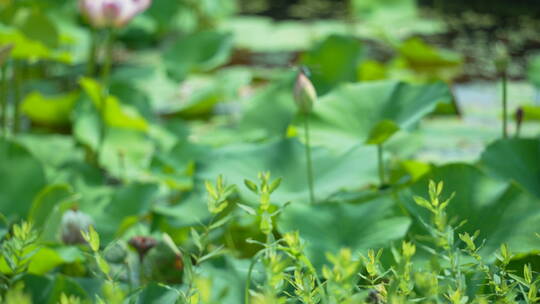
282 272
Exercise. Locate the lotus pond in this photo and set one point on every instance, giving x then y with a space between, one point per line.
268 151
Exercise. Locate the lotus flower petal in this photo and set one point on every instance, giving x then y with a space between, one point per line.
112 13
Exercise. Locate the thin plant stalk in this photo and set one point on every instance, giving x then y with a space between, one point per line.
92 54
105 75
380 162
107 64
17 94
504 105
254 260
4 99
309 162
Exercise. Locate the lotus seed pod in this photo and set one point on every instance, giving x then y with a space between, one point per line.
115 253
304 93
142 244
73 221
112 13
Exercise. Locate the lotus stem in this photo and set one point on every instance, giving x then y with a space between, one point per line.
17 94
254 260
309 162
380 163
504 105
105 75
4 100
91 62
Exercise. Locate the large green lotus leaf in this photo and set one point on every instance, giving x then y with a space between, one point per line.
223 280
175 169
126 153
515 160
49 110
500 211
333 61
132 200
271 110
115 113
163 12
130 94
53 151
48 258
428 61
22 178
286 159
37 26
45 202
45 260
157 294
353 111
201 51
49 289
329 227
201 95
153 81
533 71
262 34
531 112
395 19
29 49
190 212
86 123
384 11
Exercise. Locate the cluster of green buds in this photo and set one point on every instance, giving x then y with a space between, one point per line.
218 195
305 94
342 277
437 207
264 190
406 283
18 248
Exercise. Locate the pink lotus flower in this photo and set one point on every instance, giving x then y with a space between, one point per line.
112 13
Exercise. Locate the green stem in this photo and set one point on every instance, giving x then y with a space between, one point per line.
311 268
4 100
504 105
91 62
254 260
309 162
380 162
106 71
105 75
17 94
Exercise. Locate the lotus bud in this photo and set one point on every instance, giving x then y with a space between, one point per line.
502 58
305 94
73 222
112 13
142 244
